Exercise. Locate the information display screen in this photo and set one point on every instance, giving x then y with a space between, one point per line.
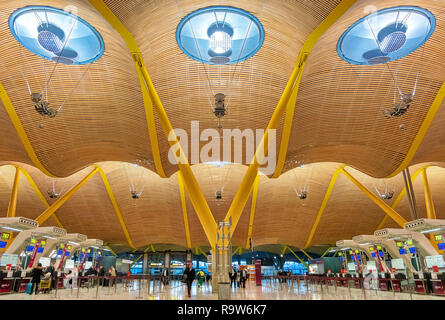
397 264
6 236
45 261
441 246
40 250
399 244
8 259
29 248
412 250
402 251
373 255
59 253
438 237
432 261
381 254
341 258
67 253
3 244
409 242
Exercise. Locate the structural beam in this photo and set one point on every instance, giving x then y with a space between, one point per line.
12 206
114 203
152 248
387 209
299 259
252 211
7 104
306 254
326 252
59 202
289 93
422 131
323 206
309 44
430 211
184 210
202 251
399 198
284 250
194 191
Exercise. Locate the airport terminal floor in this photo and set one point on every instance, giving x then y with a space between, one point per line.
188 153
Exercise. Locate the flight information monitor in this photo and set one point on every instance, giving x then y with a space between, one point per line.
6 236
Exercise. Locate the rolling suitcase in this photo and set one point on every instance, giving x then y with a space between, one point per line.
29 288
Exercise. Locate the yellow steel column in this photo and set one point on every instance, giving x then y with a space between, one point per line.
342 7
430 211
387 209
284 250
252 211
243 192
193 190
184 210
152 248
422 131
296 256
56 205
305 253
115 205
399 198
7 104
14 192
323 206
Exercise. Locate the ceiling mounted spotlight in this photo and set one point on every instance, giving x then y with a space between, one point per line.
56 35
218 195
302 194
42 107
220 35
386 35
220 109
135 194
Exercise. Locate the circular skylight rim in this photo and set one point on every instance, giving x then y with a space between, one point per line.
17 13
395 56
231 9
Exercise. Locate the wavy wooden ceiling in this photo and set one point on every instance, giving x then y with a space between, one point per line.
338 118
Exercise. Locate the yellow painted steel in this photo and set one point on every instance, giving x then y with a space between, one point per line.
242 195
12 206
305 253
193 190
103 9
184 210
284 250
430 211
422 131
302 58
387 209
152 248
235 252
38 192
399 198
59 202
252 210
323 206
202 251
114 203
326 252
21 131
296 256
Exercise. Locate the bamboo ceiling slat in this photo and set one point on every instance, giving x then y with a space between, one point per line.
339 108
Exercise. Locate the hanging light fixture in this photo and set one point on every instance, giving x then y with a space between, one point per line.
386 35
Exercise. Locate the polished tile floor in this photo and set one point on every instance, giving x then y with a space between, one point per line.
177 291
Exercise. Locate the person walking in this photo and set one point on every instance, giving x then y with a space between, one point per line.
243 277
52 271
165 274
200 278
101 274
113 276
189 276
36 274
232 276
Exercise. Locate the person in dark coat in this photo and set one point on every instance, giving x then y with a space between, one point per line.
36 274
53 273
189 276
233 275
101 274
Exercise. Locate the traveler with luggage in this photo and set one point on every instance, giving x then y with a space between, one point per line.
36 274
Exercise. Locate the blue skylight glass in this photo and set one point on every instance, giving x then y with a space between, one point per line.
386 35
56 35
220 35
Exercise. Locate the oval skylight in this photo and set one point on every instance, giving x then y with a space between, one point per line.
220 35
56 35
386 35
